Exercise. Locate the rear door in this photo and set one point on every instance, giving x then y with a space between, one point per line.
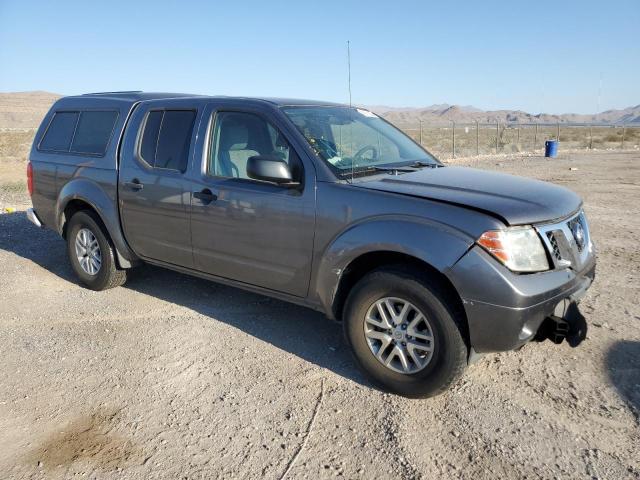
154 193
248 230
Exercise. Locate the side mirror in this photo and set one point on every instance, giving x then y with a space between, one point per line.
270 168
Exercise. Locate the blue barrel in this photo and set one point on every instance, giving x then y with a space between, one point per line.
551 148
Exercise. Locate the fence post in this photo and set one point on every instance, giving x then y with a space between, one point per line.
453 138
624 128
477 139
535 138
558 133
497 135
421 132
590 137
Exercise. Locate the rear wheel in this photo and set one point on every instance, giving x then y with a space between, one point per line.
405 332
91 253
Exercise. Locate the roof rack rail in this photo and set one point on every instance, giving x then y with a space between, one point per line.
110 93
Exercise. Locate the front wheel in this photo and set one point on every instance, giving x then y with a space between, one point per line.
91 254
405 333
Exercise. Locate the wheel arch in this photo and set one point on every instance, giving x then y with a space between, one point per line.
427 247
83 194
376 260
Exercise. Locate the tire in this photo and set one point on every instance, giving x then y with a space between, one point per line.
107 275
433 371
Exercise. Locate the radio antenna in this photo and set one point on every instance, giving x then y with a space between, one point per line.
350 111
349 69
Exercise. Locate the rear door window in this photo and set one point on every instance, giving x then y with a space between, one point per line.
166 139
93 132
60 132
150 137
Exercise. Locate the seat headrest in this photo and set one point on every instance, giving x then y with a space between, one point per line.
235 136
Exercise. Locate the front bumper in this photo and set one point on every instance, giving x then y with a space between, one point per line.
504 309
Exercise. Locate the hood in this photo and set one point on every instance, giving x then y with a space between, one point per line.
515 200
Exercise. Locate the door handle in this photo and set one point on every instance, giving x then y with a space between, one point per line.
206 196
134 184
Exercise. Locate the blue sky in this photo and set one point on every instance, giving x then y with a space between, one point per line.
539 56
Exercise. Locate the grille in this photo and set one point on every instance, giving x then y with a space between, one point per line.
572 226
554 245
568 242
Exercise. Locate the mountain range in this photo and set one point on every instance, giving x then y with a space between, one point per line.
445 113
26 109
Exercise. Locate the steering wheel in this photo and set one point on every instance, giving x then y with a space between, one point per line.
363 150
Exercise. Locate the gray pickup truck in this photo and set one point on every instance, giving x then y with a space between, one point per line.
427 266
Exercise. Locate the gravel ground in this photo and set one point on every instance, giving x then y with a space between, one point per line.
175 377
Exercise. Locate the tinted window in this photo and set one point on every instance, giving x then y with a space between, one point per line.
93 132
150 137
166 139
60 132
238 136
174 139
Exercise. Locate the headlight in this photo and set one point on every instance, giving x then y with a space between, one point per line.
518 248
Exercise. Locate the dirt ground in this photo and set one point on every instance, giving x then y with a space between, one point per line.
174 377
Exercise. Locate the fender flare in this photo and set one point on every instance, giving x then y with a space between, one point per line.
434 243
104 205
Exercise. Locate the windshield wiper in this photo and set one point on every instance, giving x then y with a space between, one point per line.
363 171
420 164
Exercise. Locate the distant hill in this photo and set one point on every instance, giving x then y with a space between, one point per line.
26 109
467 114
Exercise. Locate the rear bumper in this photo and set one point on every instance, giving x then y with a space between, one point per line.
505 310
33 218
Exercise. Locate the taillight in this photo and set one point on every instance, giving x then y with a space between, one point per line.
30 178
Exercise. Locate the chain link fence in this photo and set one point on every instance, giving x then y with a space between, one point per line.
473 139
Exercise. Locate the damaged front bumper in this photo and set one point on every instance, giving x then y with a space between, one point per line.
505 310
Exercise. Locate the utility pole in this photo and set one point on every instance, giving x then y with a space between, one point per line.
453 138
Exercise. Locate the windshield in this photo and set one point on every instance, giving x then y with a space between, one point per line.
353 139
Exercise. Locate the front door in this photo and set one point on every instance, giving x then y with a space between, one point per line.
249 230
154 195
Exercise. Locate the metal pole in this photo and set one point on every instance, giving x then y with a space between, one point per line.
535 138
624 128
558 134
453 138
497 135
518 133
420 132
477 139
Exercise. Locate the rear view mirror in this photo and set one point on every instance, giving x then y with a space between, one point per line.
270 168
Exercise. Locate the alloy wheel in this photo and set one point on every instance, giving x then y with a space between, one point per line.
399 335
88 251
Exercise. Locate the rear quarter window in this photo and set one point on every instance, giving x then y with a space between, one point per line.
58 136
83 132
94 132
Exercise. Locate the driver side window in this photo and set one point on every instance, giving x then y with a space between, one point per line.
237 136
